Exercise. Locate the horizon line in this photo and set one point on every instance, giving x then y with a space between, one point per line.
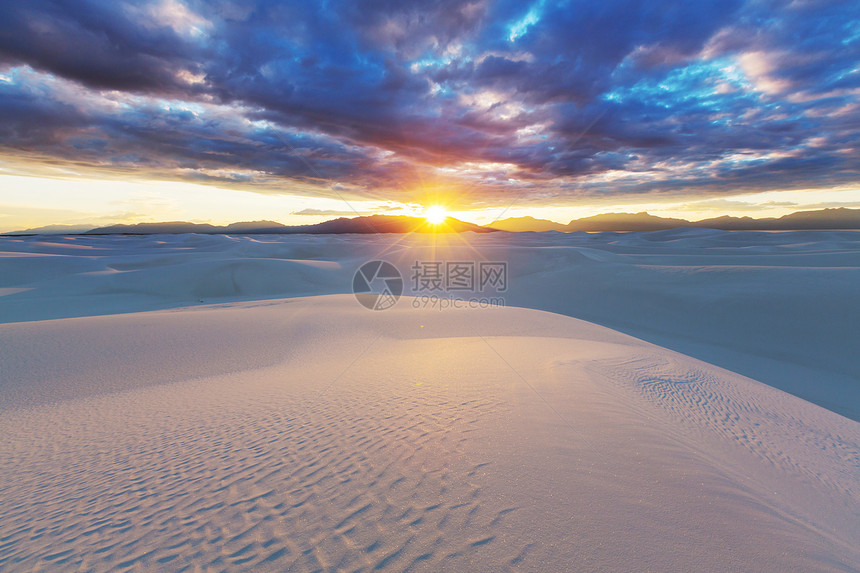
655 219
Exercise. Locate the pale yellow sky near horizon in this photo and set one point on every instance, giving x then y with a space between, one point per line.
28 202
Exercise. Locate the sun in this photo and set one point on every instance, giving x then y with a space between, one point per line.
435 214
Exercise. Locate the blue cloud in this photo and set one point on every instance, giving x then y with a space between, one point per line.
551 98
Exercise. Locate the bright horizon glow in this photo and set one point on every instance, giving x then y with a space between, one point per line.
28 202
435 214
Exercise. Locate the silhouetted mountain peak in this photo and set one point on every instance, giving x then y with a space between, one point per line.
365 224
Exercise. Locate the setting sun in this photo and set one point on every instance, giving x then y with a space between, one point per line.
435 215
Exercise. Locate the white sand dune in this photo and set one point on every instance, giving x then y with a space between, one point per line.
310 434
782 308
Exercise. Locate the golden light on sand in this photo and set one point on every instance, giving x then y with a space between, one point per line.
435 214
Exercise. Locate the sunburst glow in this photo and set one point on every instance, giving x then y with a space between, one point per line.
435 214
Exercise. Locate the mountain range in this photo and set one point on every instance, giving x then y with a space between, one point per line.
367 224
840 218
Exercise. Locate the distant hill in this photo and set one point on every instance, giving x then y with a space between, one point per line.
841 218
251 227
520 224
625 222
53 230
369 224
171 227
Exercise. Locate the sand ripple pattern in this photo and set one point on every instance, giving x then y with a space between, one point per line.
709 402
259 478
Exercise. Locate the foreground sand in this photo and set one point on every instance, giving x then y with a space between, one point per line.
311 434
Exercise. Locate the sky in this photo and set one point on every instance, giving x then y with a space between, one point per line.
226 110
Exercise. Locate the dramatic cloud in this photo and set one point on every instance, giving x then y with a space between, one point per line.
543 101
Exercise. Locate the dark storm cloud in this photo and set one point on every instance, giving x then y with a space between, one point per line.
101 44
557 99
